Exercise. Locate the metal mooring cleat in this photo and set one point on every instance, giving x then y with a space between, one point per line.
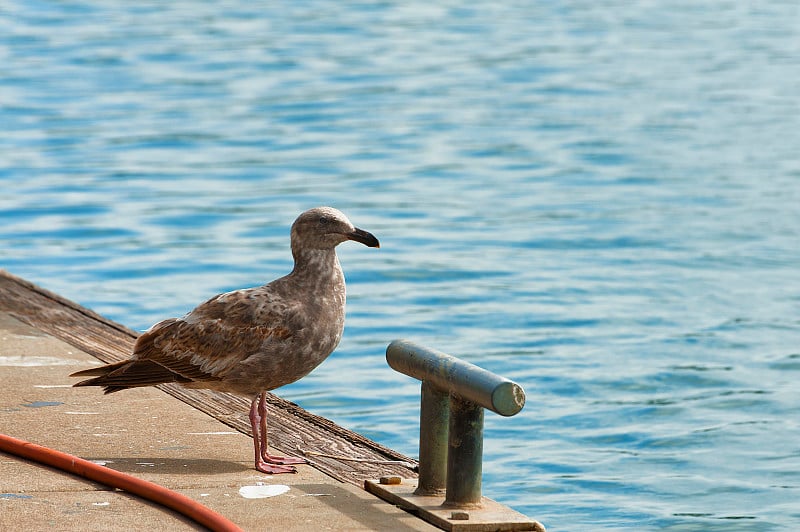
453 397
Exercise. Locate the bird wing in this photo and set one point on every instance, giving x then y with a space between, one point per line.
217 335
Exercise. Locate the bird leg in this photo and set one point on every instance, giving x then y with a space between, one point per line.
265 462
270 459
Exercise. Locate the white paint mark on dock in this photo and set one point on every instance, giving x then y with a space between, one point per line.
31 361
262 491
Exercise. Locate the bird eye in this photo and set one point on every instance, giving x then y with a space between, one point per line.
324 220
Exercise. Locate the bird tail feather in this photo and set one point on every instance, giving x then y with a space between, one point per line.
128 374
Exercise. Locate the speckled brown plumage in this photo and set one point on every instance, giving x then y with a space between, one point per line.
253 340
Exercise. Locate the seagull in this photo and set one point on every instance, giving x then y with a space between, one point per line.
253 340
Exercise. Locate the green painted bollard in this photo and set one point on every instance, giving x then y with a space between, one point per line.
454 394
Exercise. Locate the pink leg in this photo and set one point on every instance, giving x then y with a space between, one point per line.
265 462
268 458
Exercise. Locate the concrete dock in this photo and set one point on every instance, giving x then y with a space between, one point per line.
194 442
152 435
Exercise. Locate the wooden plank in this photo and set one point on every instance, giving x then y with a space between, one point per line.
488 516
291 427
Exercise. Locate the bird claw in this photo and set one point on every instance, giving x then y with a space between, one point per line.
283 460
273 465
274 469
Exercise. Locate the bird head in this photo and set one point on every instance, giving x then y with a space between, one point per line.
326 228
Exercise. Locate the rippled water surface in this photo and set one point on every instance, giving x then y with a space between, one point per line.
599 200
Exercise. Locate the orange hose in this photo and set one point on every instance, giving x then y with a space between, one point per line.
147 490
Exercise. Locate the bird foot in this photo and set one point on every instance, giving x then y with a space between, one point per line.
274 469
283 460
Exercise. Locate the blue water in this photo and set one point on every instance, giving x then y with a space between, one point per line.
599 200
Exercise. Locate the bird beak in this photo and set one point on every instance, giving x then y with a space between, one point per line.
368 239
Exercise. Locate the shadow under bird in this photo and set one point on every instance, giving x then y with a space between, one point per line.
253 340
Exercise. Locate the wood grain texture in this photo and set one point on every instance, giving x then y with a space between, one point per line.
291 427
